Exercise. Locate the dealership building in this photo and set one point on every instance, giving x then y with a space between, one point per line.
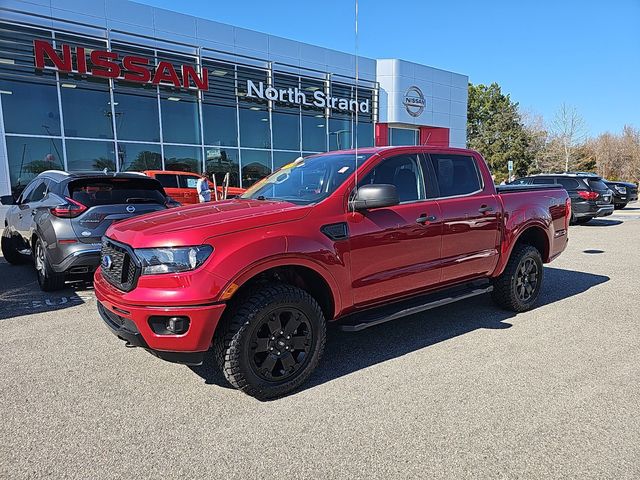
89 85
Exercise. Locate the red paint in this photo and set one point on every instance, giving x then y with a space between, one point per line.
382 135
188 196
387 255
434 136
110 65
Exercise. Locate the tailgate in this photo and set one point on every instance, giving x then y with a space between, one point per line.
92 224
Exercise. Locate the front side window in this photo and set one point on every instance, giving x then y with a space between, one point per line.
404 172
307 180
456 174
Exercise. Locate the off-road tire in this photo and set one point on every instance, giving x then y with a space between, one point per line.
9 250
504 287
48 279
231 343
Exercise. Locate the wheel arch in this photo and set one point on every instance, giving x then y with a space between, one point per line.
534 234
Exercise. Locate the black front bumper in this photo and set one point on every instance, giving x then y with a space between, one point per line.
126 330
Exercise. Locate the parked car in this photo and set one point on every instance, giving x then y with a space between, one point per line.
590 196
181 186
59 219
623 193
259 276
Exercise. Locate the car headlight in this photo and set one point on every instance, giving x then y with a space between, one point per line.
620 188
172 260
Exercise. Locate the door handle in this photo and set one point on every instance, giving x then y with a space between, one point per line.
422 219
485 208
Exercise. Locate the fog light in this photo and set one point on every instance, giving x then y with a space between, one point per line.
162 325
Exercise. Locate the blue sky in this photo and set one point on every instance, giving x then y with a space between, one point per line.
585 53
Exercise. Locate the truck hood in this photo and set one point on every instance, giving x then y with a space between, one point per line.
193 224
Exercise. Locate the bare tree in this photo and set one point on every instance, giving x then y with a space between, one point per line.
570 130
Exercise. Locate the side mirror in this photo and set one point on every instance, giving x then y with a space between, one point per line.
7 200
375 196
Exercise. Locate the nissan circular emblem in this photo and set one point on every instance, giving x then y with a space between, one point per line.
131 208
414 101
107 263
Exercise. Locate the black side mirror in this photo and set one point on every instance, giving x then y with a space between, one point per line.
375 196
7 200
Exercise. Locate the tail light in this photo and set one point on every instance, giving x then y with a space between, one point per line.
69 210
588 195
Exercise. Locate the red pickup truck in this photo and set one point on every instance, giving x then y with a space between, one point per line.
356 238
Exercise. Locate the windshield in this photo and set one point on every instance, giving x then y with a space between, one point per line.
307 180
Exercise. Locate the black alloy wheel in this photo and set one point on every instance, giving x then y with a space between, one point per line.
280 344
527 279
518 287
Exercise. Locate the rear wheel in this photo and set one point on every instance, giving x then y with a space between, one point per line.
271 341
10 249
518 287
48 279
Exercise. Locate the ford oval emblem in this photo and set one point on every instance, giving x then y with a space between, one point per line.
107 263
131 208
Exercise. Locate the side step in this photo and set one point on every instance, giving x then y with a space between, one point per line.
375 316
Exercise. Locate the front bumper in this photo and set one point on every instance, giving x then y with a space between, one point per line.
131 324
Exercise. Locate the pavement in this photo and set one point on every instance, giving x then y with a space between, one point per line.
463 391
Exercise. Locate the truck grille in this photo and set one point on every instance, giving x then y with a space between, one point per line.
118 265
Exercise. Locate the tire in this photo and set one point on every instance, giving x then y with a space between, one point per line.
10 251
509 287
252 347
48 279
583 220
619 206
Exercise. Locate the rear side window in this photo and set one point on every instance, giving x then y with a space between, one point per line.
597 184
114 191
568 183
167 180
187 181
456 174
543 181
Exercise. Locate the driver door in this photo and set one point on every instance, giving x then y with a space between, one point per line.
395 250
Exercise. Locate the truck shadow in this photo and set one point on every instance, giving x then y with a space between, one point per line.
602 222
346 353
21 295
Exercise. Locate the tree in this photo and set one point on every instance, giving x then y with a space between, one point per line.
570 130
495 129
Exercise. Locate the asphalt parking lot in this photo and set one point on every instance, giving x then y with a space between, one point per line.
463 391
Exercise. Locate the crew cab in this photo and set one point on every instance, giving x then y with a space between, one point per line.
352 237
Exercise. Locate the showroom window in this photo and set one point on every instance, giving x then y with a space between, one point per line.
30 108
180 117
256 164
220 125
87 111
403 136
183 159
219 161
136 112
138 157
90 155
30 156
339 133
282 158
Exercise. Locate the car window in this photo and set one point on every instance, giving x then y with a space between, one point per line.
568 183
543 181
520 181
597 184
456 174
404 172
167 180
187 181
38 192
111 191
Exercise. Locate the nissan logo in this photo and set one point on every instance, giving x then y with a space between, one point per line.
107 263
131 208
414 101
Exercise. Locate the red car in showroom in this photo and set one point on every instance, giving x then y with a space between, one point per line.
356 238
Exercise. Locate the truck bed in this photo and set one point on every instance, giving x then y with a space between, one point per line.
525 188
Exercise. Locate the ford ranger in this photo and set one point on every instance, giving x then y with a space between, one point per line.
352 237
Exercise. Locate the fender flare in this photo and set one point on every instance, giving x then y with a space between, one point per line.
521 230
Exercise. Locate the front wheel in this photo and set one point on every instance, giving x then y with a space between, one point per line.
48 279
518 287
271 341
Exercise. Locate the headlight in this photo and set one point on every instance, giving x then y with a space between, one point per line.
172 260
620 188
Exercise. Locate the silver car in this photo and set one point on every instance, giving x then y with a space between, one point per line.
59 219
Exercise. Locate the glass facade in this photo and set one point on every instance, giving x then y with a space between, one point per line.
78 121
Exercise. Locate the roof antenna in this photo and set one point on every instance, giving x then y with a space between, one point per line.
427 140
357 83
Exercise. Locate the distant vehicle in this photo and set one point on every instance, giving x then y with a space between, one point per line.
623 193
181 186
590 196
59 219
259 276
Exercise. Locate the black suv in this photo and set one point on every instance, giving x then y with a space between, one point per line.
590 197
623 193
59 219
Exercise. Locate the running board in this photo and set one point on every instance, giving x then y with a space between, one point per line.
361 320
